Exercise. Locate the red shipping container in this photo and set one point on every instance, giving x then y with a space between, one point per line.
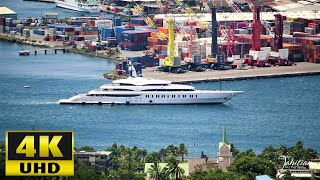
52 38
115 10
312 25
162 56
2 21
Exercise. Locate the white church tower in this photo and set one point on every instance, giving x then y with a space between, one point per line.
224 155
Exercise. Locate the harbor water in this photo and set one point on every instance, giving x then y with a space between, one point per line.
269 112
35 9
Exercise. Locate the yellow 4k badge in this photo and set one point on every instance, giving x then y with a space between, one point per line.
39 153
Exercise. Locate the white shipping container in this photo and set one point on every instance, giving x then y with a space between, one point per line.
273 54
258 55
9 20
283 53
21 26
185 50
268 49
104 23
57 32
235 57
13 32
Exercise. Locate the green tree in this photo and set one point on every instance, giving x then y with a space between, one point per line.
182 150
153 157
234 150
86 148
249 153
85 171
173 169
2 166
251 166
2 146
172 150
155 171
216 173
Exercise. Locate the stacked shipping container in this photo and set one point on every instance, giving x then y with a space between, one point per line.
107 33
2 24
133 40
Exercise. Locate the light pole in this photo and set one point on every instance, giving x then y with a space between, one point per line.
225 20
315 18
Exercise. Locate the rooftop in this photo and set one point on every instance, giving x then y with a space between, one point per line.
5 10
94 153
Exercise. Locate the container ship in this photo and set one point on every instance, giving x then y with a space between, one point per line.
91 6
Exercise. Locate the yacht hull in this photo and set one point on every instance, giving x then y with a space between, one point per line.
75 7
197 97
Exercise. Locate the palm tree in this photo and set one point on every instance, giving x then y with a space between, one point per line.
183 151
155 171
172 150
173 169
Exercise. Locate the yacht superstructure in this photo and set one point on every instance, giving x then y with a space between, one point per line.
137 90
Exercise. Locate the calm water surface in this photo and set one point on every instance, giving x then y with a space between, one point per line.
26 9
270 112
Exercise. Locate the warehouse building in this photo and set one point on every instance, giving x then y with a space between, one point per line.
8 13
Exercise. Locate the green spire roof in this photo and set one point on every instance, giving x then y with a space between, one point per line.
224 136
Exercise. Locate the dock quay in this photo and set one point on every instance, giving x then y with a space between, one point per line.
46 51
300 69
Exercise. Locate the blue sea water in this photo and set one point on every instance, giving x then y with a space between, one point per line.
269 112
26 9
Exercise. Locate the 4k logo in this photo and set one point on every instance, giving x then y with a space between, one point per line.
39 153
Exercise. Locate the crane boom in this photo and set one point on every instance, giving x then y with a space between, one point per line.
236 9
150 23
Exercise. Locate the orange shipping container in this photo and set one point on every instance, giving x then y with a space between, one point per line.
164 30
52 38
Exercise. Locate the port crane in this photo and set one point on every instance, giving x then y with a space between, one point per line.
263 22
221 27
150 23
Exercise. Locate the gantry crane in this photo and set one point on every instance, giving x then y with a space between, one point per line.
263 22
171 60
221 27
150 23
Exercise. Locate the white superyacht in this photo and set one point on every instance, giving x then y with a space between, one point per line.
91 6
137 90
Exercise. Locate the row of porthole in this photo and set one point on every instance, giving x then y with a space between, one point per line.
172 96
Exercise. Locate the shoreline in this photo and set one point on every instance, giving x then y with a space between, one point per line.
34 43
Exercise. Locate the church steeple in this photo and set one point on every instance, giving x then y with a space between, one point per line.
224 138
224 135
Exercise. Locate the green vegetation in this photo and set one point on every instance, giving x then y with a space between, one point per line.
11 39
128 164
